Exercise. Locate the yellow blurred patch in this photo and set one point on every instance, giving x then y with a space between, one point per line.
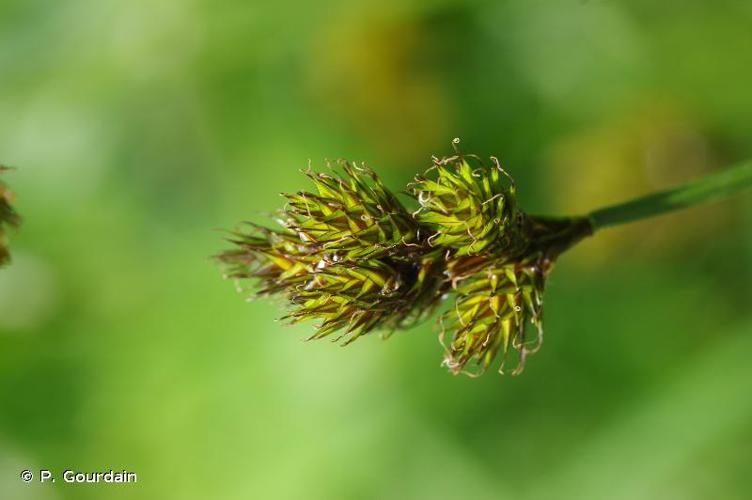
653 147
365 69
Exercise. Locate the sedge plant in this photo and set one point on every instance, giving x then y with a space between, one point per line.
352 257
8 217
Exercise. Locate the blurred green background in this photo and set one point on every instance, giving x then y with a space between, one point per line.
140 129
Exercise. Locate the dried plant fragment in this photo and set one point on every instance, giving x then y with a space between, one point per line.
8 217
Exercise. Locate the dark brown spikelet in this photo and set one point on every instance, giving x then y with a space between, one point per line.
350 256
8 217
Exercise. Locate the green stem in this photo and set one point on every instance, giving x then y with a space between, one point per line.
705 189
554 235
712 187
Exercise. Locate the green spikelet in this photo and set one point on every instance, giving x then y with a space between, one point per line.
493 307
8 217
354 214
351 257
470 207
352 298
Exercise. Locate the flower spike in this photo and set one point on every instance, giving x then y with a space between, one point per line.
350 255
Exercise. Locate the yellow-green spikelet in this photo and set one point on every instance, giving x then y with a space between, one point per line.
470 210
492 309
354 214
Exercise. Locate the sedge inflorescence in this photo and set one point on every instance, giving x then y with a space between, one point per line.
350 255
8 217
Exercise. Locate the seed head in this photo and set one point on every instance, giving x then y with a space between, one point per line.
350 256
345 255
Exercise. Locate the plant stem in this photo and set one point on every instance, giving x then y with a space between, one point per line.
555 235
711 187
